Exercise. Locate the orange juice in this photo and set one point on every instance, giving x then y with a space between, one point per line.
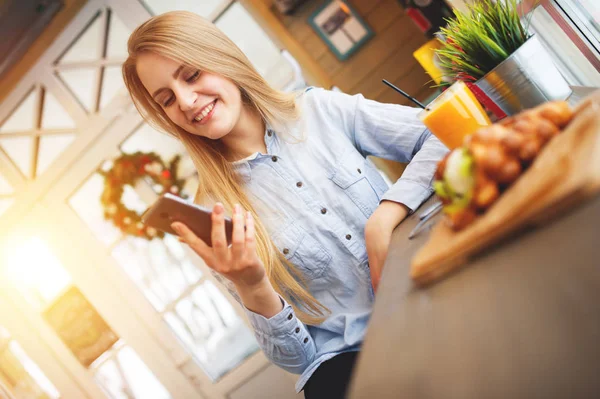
454 114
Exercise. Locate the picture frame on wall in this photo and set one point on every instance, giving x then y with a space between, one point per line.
340 27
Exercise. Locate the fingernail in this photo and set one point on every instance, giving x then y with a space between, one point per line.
249 215
238 208
218 208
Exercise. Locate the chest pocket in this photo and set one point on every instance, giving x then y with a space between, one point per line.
360 180
303 250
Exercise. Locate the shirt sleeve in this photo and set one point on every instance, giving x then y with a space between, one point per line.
389 131
283 338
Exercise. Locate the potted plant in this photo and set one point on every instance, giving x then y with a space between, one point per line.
490 47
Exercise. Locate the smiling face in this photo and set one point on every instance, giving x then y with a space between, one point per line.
201 103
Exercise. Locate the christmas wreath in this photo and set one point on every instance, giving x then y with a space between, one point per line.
128 169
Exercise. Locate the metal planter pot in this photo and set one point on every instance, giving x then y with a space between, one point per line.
527 78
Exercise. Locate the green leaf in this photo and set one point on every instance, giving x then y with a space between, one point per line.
477 40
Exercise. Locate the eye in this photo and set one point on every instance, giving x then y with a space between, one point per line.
193 77
167 102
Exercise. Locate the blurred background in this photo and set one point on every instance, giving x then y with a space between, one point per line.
89 309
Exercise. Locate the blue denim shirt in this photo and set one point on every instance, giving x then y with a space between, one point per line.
315 190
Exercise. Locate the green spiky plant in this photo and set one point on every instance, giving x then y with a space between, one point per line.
481 38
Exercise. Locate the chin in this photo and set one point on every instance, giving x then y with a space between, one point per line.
214 134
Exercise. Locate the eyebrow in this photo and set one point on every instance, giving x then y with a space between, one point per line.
175 76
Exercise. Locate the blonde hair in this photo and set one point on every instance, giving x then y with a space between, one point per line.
190 39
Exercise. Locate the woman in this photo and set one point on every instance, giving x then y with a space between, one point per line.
312 217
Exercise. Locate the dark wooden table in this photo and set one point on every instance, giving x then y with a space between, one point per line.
520 321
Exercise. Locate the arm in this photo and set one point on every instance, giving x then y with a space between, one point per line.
392 132
282 337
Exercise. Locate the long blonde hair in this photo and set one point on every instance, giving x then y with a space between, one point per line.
190 39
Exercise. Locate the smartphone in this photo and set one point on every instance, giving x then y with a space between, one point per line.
170 208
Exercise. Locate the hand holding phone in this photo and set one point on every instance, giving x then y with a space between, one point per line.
170 208
238 262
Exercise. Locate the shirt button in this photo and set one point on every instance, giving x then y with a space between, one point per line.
286 251
297 330
323 210
299 184
290 317
358 170
274 158
305 340
269 133
348 236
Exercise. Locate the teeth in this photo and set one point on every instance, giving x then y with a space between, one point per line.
204 112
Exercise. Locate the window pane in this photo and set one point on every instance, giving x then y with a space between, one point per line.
23 116
586 13
203 7
157 267
196 311
112 82
83 83
20 150
20 374
567 57
118 34
54 115
208 325
87 46
123 375
86 203
146 139
50 148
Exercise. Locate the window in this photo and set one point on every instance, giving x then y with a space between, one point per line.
586 15
193 308
20 374
44 282
570 29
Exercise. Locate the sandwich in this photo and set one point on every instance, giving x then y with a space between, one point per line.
469 179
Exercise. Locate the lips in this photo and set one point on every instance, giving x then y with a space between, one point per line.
205 113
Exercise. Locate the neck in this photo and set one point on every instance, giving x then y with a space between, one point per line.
247 136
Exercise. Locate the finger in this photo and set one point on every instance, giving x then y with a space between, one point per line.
237 238
250 234
198 246
219 242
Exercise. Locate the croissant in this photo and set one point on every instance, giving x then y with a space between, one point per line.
470 179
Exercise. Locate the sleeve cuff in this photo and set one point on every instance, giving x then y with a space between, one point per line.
409 193
283 322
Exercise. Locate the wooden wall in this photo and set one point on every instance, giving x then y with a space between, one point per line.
387 55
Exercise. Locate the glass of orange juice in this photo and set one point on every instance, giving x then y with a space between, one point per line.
454 114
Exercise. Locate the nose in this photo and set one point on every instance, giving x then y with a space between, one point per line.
186 99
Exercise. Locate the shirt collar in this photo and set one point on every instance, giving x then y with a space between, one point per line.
242 166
